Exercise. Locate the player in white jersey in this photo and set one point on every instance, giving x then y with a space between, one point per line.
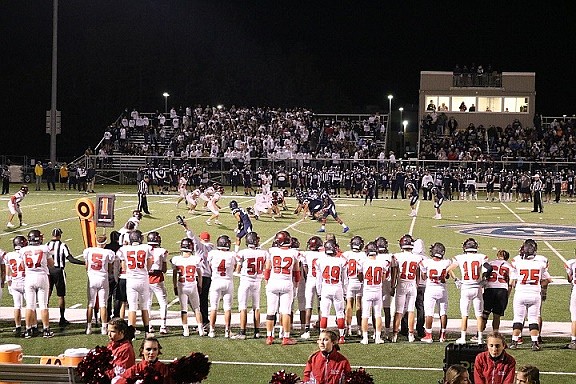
222 262
299 288
529 275
207 194
15 280
187 282
192 199
472 264
214 208
136 260
262 204
182 189
383 253
570 267
354 257
37 259
332 282
310 259
281 271
404 285
497 289
156 279
250 266
434 273
99 263
374 271
14 206
136 217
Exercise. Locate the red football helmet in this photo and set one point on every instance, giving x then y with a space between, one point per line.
406 242
314 243
283 238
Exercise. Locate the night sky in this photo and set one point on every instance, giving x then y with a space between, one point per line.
327 56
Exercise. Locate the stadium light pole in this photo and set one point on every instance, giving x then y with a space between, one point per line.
165 94
401 109
390 97
53 128
404 124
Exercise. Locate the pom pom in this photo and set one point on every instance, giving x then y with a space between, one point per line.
283 377
190 369
93 367
359 376
148 376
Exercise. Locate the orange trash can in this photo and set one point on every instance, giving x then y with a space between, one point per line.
10 354
73 356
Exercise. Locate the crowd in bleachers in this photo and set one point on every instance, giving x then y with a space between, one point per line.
443 139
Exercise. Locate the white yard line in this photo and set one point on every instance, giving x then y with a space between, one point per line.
413 222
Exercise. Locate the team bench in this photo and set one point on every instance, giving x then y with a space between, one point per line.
37 373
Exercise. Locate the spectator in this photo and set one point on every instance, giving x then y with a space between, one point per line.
456 374
528 374
327 365
494 366
38 172
462 107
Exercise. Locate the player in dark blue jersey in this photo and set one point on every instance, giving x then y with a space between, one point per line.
438 199
412 193
244 223
329 209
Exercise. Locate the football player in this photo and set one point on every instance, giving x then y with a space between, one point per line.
434 273
15 279
244 223
98 265
412 193
250 266
182 189
570 267
329 209
530 275
374 271
223 263
214 207
383 253
438 198
156 278
472 264
281 271
331 283
355 257
310 270
497 289
187 282
14 206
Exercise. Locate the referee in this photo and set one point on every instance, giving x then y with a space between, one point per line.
142 194
60 253
536 188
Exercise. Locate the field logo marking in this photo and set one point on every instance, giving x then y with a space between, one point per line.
542 232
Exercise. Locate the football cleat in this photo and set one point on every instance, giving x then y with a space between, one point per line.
10 225
257 335
269 340
288 341
364 341
28 334
427 338
305 335
104 329
88 330
461 340
227 334
47 333
186 332
163 330
379 341
211 334
346 229
321 230
536 346
443 337
395 337
411 337
238 336
572 345
514 344
151 329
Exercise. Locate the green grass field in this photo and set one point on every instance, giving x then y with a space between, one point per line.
496 225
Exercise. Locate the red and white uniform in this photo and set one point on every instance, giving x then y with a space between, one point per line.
222 264
311 259
528 274
14 202
156 280
262 203
192 198
207 194
280 287
570 267
332 282
182 187
36 285
213 203
251 261
188 269
135 260
470 264
15 273
408 266
355 260
436 291
500 276
374 271
266 179
387 283
97 263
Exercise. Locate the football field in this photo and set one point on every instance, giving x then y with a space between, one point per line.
494 225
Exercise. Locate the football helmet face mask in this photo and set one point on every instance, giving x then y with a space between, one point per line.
24 189
314 243
223 242
186 245
357 243
371 249
35 237
283 238
19 242
382 244
406 242
294 243
233 204
154 238
330 248
252 239
438 250
470 245
135 237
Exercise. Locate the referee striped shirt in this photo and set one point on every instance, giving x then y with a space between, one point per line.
60 252
143 187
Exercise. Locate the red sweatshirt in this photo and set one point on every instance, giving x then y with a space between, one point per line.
327 369
141 366
494 371
124 356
